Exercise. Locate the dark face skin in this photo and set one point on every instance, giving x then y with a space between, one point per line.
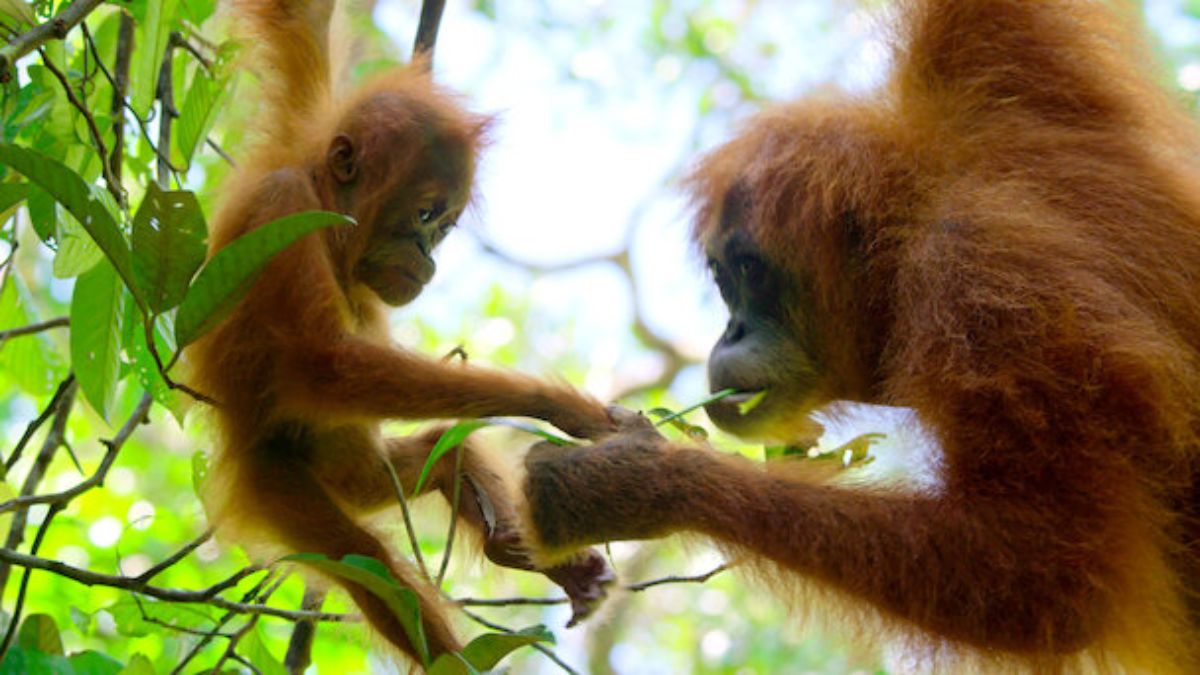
413 218
764 346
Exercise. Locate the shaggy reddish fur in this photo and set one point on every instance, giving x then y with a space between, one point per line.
1006 239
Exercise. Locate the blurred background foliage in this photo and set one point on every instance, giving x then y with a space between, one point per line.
575 261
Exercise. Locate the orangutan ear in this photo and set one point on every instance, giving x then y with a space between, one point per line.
343 159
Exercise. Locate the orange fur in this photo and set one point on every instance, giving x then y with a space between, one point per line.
1006 239
304 368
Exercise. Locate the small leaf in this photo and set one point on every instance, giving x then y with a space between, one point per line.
91 662
532 429
232 270
485 651
96 335
139 664
376 578
745 407
200 110
255 650
39 633
450 439
79 197
168 246
695 406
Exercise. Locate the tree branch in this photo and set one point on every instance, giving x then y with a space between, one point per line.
54 29
32 328
97 478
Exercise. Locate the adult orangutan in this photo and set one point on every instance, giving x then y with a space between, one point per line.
304 368
1006 239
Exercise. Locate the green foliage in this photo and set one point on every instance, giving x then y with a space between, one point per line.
229 274
168 246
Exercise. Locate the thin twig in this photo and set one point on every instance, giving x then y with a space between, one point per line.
164 369
38 422
120 84
175 557
632 588
249 596
398 488
454 503
538 646
110 181
54 29
167 113
32 328
15 619
97 478
55 438
220 151
207 596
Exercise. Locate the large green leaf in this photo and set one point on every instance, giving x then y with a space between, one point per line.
77 252
485 651
12 194
79 197
151 38
168 246
450 439
96 334
232 270
199 111
376 578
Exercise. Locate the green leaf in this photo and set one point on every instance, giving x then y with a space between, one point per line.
253 648
200 110
39 633
145 368
135 618
79 197
12 194
18 11
139 664
450 439
32 361
452 663
745 407
151 38
43 213
96 335
77 252
232 270
485 651
168 246
695 406
94 663
376 578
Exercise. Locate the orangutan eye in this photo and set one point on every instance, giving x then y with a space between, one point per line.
429 215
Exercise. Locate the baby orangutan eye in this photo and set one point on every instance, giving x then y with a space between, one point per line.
427 216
